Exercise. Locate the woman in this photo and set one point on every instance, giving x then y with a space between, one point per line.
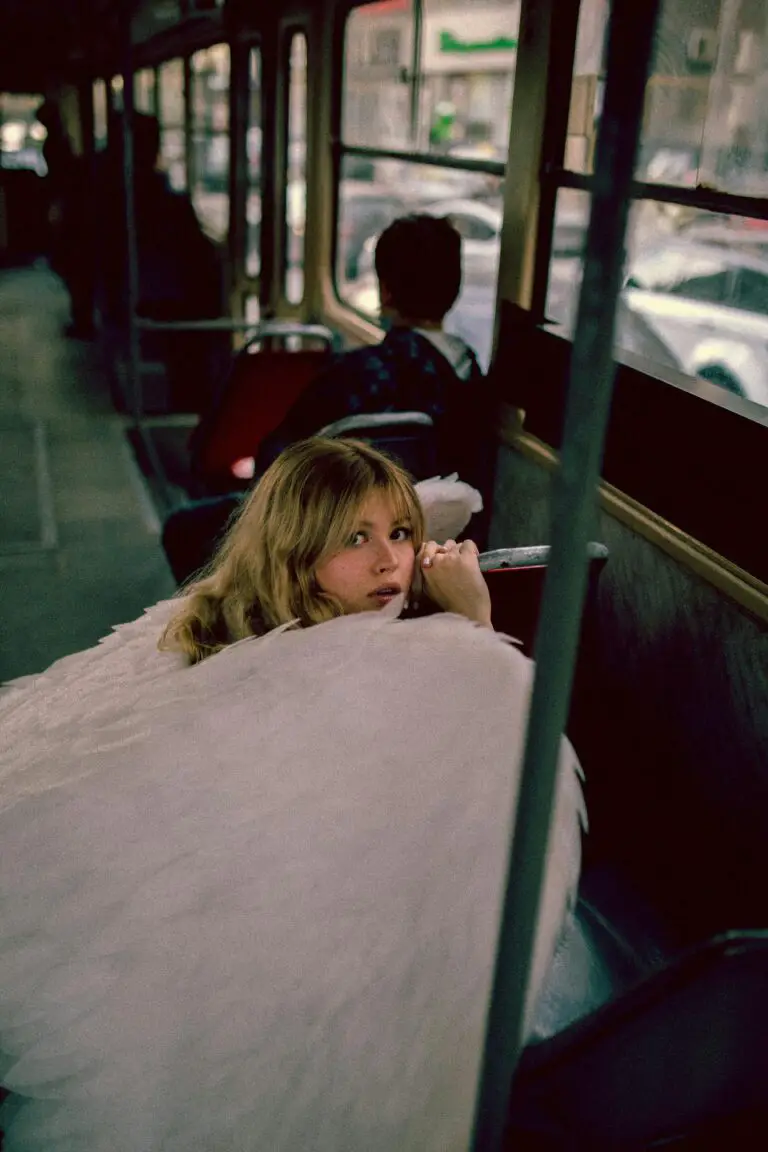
332 528
252 901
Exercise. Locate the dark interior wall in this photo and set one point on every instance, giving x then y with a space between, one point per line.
673 727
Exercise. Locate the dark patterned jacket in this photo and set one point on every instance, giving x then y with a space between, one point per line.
405 372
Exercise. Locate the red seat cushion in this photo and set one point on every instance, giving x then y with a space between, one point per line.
263 388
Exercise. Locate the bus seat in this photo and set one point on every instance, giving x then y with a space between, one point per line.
677 1058
625 940
515 579
409 437
261 389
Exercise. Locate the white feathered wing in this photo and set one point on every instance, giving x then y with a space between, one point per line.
253 904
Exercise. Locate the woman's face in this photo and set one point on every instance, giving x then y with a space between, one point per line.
377 563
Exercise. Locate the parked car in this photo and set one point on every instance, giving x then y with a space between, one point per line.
709 303
729 232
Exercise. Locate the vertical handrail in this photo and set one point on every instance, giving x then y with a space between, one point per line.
132 265
131 243
631 32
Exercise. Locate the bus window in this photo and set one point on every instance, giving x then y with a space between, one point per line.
99 114
144 93
378 53
209 71
116 86
428 78
704 119
21 135
252 309
694 294
171 116
296 180
695 289
253 150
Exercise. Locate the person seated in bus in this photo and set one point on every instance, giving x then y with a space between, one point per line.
252 880
333 527
180 269
416 367
70 220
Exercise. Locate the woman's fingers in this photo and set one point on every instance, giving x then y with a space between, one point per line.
469 546
431 549
452 578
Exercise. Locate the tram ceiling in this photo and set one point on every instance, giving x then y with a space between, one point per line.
43 42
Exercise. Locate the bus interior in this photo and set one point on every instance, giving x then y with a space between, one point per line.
292 134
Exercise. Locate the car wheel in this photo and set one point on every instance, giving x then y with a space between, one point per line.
723 379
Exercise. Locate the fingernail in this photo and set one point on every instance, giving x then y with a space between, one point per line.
427 562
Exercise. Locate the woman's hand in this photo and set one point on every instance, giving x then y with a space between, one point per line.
451 576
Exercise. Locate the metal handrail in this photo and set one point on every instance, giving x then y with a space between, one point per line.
531 557
574 507
377 421
262 329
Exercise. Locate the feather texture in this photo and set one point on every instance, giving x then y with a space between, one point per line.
253 904
448 505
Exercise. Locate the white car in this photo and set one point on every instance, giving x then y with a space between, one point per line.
710 305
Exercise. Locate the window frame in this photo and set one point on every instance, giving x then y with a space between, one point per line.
556 176
677 446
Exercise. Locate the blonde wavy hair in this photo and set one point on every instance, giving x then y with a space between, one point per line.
303 510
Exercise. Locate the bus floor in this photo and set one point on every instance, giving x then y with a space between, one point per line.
79 535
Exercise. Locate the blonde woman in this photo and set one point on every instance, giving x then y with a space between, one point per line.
333 528
251 882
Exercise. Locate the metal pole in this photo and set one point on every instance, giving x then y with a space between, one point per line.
132 266
131 243
591 380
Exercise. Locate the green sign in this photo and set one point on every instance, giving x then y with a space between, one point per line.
451 43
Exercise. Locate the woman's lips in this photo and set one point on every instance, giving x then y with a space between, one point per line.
386 592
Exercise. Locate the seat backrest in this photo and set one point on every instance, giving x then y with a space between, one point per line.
679 1054
409 437
515 579
261 390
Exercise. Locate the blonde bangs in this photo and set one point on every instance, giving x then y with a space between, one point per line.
381 476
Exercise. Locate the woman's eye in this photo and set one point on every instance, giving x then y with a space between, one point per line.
357 539
401 534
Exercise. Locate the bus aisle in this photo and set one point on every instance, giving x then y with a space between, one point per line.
79 536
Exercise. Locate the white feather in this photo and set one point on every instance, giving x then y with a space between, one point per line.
448 505
253 904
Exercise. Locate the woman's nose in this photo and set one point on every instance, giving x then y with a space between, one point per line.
385 555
